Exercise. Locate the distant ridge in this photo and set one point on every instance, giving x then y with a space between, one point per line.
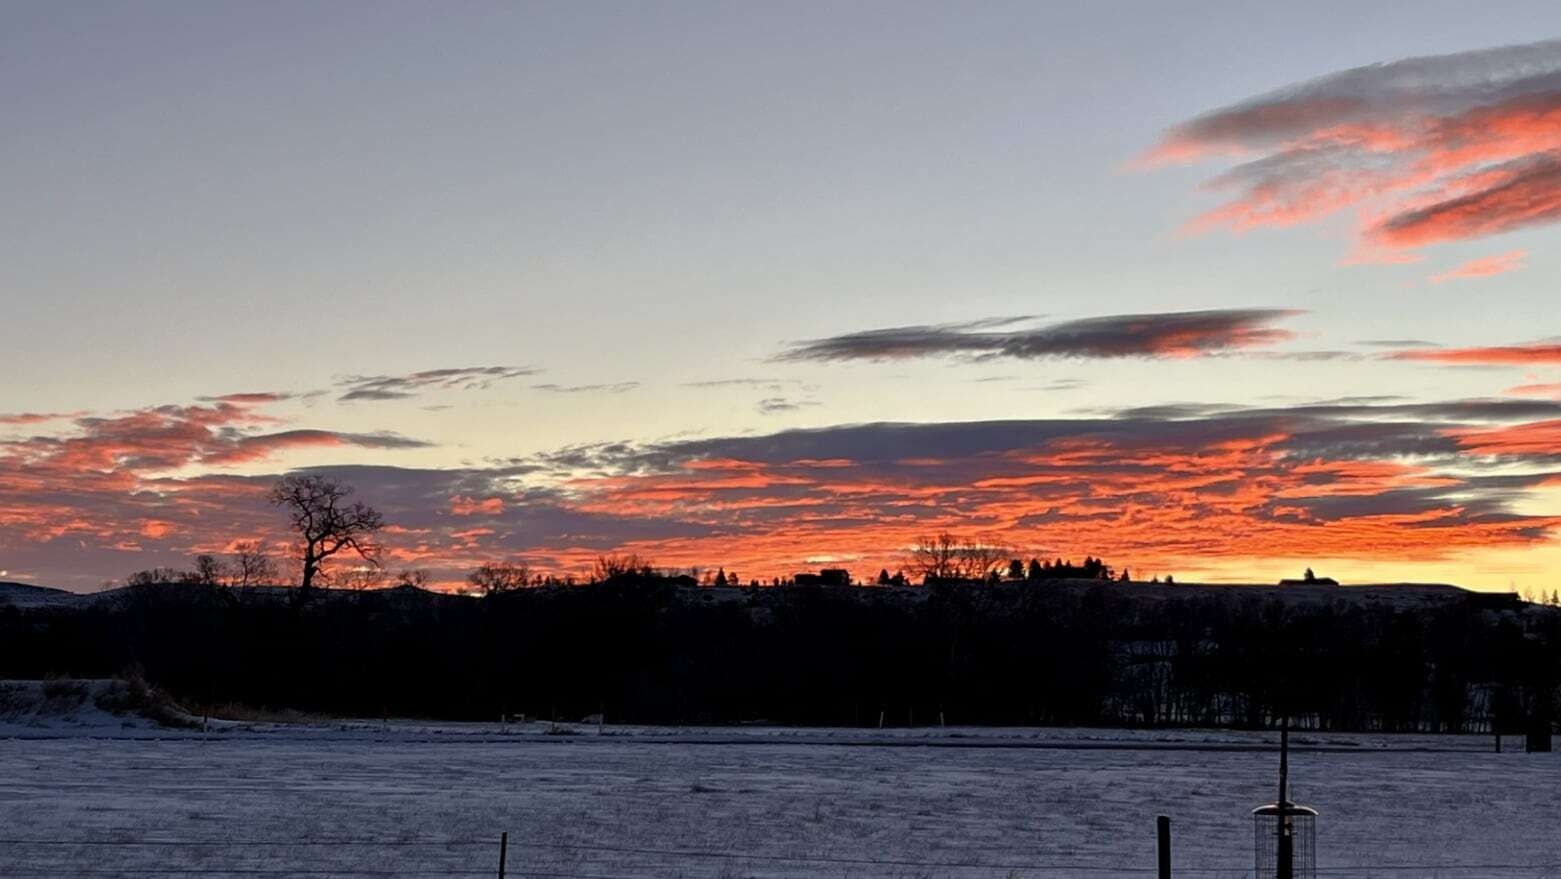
27 595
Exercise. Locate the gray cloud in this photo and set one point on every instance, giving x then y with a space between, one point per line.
1168 334
766 383
1397 343
360 388
259 398
1309 356
608 388
777 405
1436 85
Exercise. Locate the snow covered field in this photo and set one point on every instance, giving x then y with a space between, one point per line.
420 799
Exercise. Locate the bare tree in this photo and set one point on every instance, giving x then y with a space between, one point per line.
326 524
497 577
610 566
157 577
250 565
417 578
947 557
359 578
209 570
980 560
936 557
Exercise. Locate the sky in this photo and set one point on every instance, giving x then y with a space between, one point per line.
1212 290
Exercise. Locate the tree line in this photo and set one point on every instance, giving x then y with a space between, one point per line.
654 649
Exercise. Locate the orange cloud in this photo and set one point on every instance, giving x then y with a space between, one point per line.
1162 492
1538 438
157 529
1498 355
1483 267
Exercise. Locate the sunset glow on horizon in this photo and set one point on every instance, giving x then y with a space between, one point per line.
768 293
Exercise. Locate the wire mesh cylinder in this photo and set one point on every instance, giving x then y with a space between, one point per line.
1284 842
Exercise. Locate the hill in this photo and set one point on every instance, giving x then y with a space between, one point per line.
25 595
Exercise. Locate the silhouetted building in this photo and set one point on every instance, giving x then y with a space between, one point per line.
1310 579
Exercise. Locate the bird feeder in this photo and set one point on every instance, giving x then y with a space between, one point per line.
1284 834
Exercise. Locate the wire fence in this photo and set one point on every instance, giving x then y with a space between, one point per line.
526 859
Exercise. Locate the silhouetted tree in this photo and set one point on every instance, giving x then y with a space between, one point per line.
946 557
360 578
493 578
936 557
153 576
209 570
1016 569
250 565
416 578
609 566
981 560
325 523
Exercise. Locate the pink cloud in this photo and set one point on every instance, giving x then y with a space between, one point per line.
1428 150
25 418
466 506
1537 390
1484 267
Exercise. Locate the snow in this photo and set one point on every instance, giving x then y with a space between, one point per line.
763 802
71 708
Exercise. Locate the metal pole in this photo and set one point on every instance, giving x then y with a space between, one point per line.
503 851
1286 841
1163 832
1284 763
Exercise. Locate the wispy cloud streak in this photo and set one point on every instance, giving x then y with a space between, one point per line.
401 387
1168 334
1483 267
1536 353
601 388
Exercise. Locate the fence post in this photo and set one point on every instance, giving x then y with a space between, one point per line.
503 851
1163 832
